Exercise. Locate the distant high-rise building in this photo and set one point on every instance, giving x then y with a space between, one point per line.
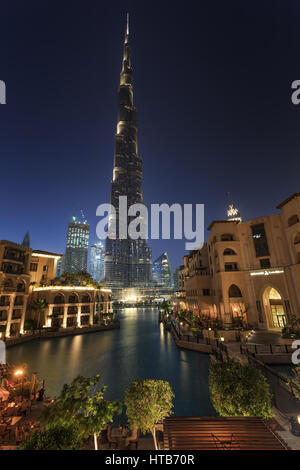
75 258
60 266
176 278
96 265
127 261
161 271
26 240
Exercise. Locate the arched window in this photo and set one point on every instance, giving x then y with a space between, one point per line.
229 252
297 238
234 291
58 299
73 298
85 299
226 237
21 287
294 219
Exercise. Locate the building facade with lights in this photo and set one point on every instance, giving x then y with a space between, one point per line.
27 275
128 262
14 286
76 255
248 269
71 306
43 266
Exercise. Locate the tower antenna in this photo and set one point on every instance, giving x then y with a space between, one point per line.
127 25
83 217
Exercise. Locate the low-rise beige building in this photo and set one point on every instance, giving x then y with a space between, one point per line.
249 269
27 275
70 306
14 287
43 266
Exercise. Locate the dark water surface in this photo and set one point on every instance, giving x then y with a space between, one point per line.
140 349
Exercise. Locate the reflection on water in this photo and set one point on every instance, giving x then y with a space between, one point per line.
140 349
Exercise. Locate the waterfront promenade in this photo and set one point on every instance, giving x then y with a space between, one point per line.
48 333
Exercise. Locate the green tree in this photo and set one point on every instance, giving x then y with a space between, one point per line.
39 305
81 278
166 306
238 390
82 404
295 382
54 438
147 403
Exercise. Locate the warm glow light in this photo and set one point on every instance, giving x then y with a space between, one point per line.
267 272
19 372
222 338
40 255
298 419
63 288
130 298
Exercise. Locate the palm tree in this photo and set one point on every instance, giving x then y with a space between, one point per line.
39 305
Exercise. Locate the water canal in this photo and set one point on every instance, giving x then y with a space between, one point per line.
140 349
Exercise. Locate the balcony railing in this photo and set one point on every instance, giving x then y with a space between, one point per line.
14 257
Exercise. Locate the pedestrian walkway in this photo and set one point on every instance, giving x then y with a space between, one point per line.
265 337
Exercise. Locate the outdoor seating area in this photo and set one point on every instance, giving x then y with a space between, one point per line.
120 438
236 433
14 428
17 395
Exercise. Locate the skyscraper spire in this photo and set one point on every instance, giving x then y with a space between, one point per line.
127 26
127 262
26 240
126 72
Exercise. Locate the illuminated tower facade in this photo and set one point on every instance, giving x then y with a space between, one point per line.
128 263
75 258
162 270
96 266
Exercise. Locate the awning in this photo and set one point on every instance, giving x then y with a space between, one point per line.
238 433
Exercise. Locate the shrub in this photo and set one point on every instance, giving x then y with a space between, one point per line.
295 382
238 390
55 438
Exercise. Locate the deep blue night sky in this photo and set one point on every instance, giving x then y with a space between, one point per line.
212 89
